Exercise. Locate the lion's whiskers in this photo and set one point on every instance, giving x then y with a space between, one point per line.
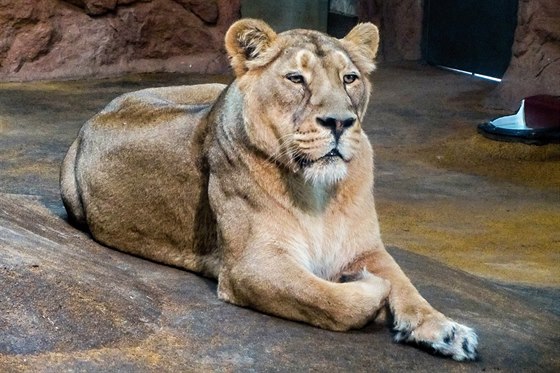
286 148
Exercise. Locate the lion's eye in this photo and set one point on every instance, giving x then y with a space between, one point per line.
349 78
295 78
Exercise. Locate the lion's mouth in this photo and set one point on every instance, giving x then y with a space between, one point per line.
333 153
331 156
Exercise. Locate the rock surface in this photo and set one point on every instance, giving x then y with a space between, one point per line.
51 39
70 304
535 63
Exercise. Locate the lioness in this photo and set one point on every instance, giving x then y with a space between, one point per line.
265 185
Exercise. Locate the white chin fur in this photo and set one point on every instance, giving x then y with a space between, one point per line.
320 174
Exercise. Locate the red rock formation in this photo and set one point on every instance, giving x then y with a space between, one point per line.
535 63
55 39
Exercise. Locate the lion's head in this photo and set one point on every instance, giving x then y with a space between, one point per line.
305 94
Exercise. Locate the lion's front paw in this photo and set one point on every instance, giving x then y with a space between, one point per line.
442 335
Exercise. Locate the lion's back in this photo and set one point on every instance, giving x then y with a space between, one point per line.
156 106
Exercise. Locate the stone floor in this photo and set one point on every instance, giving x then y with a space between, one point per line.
474 223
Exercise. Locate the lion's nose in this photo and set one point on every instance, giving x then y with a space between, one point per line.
337 124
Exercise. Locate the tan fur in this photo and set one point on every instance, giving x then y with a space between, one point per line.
265 185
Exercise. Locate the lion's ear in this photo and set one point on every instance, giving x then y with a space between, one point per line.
364 41
246 40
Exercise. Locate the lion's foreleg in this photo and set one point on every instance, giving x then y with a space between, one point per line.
277 284
415 320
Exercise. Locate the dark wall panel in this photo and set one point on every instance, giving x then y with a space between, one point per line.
471 35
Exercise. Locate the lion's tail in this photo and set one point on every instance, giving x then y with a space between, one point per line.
69 187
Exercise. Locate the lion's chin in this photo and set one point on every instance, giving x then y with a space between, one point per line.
325 172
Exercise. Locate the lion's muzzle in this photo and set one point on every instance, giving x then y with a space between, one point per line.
337 123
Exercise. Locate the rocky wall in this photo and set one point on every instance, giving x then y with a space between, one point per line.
61 39
535 63
400 24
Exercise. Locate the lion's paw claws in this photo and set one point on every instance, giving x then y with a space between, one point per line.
452 339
